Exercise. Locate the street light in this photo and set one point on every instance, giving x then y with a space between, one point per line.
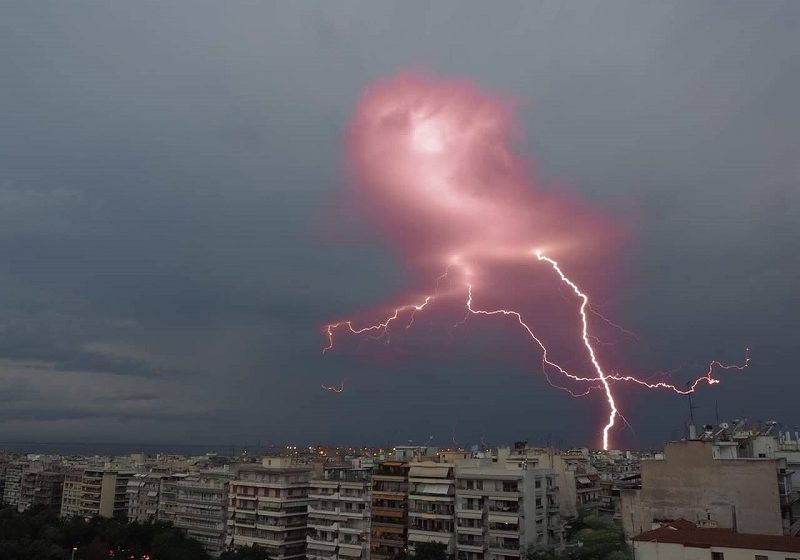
74 550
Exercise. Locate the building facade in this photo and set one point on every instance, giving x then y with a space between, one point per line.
42 489
690 483
502 511
104 492
431 504
339 515
268 507
143 491
71 493
389 515
197 503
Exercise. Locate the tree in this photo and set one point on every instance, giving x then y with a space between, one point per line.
426 551
245 553
38 534
591 536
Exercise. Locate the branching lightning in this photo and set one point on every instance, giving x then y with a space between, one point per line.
333 388
602 380
433 159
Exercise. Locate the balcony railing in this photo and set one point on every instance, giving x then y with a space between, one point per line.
471 542
504 545
503 509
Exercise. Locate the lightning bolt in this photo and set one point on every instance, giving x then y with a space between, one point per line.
601 381
334 389
612 405
381 328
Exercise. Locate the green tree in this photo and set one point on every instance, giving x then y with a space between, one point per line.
245 553
426 551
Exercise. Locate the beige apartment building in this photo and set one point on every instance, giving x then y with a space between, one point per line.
268 507
690 483
501 510
104 492
431 504
339 515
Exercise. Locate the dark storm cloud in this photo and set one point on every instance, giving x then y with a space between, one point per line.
168 170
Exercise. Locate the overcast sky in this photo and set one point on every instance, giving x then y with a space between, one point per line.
169 178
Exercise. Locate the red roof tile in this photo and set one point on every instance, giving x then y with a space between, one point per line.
725 538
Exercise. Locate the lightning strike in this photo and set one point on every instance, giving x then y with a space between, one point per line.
436 169
333 388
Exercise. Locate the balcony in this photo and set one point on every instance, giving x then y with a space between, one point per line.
323 524
318 496
509 544
317 510
441 512
470 545
321 542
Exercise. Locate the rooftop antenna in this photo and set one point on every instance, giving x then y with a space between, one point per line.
692 429
455 445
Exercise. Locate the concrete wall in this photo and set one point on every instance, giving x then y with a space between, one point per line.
108 487
669 551
740 494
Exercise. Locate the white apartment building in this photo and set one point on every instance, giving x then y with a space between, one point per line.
71 493
143 493
268 507
501 511
15 472
197 503
339 515
431 504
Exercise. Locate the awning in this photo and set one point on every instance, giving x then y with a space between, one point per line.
152 494
438 489
583 480
428 472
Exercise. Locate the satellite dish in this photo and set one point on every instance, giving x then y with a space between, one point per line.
724 425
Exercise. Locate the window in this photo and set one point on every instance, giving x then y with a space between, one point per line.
717 556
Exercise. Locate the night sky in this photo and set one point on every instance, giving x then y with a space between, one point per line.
175 229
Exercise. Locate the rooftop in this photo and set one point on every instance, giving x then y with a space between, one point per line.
724 538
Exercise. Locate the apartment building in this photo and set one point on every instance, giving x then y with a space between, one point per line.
690 482
104 492
71 493
339 515
197 503
501 510
389 516
3 467
268 507
431 504
13 480
41 488
143 491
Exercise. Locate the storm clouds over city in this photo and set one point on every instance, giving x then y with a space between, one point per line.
177 222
